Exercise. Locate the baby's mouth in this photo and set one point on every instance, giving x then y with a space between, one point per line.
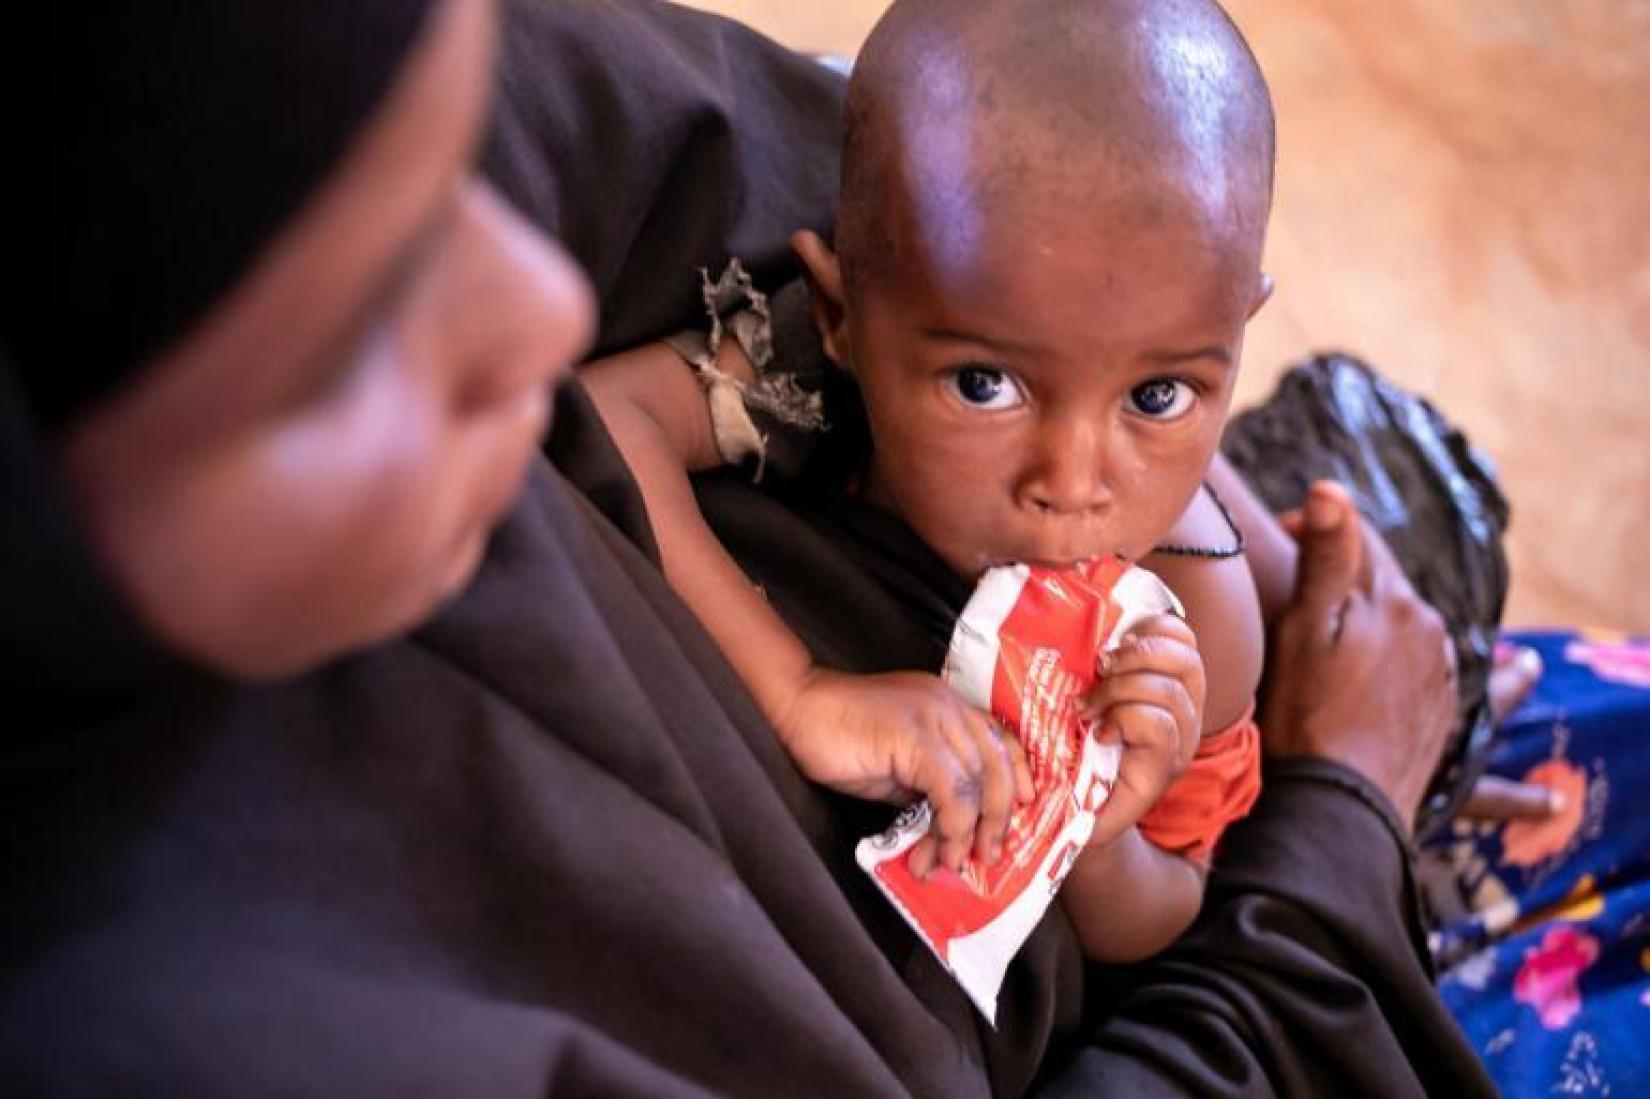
1062 561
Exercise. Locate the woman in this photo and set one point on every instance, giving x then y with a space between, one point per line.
261 839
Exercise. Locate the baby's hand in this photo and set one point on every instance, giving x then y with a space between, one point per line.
1150 698
905 735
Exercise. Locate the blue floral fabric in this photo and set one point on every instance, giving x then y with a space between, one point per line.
1550 973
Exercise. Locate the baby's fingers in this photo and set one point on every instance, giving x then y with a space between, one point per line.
956 792
923 857
1149 763
1117 698
1025 789
1170 626
1003 776
1164 645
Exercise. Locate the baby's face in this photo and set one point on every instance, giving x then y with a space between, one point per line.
1058 393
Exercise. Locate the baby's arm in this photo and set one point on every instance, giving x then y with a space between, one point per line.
1126 897
889 737
1271 553
1226 602
655 409
1129 899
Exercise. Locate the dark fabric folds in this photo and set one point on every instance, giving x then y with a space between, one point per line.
653 141
1304 976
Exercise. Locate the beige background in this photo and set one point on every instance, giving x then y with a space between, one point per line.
1463 198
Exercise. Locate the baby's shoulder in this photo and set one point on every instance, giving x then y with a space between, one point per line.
1221 603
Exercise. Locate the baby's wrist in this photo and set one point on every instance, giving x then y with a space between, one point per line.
792 706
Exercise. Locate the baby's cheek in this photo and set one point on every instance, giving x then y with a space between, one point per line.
956 495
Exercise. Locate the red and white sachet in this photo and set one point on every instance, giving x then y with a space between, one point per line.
1026 649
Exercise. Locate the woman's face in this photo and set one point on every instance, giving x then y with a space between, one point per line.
318 463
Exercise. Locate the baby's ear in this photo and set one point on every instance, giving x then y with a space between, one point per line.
1263 294
826 299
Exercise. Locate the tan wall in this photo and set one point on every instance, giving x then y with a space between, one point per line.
1464 198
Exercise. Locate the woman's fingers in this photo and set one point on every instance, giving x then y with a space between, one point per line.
1495 798
1513 676
1337 633
1333 565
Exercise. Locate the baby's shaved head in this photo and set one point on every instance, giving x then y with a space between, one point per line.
958 105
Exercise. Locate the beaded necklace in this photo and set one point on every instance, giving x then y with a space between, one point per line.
1217 553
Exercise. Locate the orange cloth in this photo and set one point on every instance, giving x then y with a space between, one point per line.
1218 788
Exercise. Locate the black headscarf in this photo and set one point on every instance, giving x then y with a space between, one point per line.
183 136
194 132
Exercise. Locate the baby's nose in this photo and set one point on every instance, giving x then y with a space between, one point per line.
1069 477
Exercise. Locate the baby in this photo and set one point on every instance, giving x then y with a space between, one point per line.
1048 245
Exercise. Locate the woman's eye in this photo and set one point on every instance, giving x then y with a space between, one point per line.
1163 399
984 387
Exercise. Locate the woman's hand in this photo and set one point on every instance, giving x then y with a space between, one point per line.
1494 798
905 735
1361 671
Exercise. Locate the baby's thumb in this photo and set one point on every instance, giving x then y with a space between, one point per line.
1331 550
1122 811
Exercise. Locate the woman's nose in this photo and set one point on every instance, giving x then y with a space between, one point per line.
1068 474
549 313
566 305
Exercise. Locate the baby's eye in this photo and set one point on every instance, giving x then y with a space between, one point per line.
1163 399
985 387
